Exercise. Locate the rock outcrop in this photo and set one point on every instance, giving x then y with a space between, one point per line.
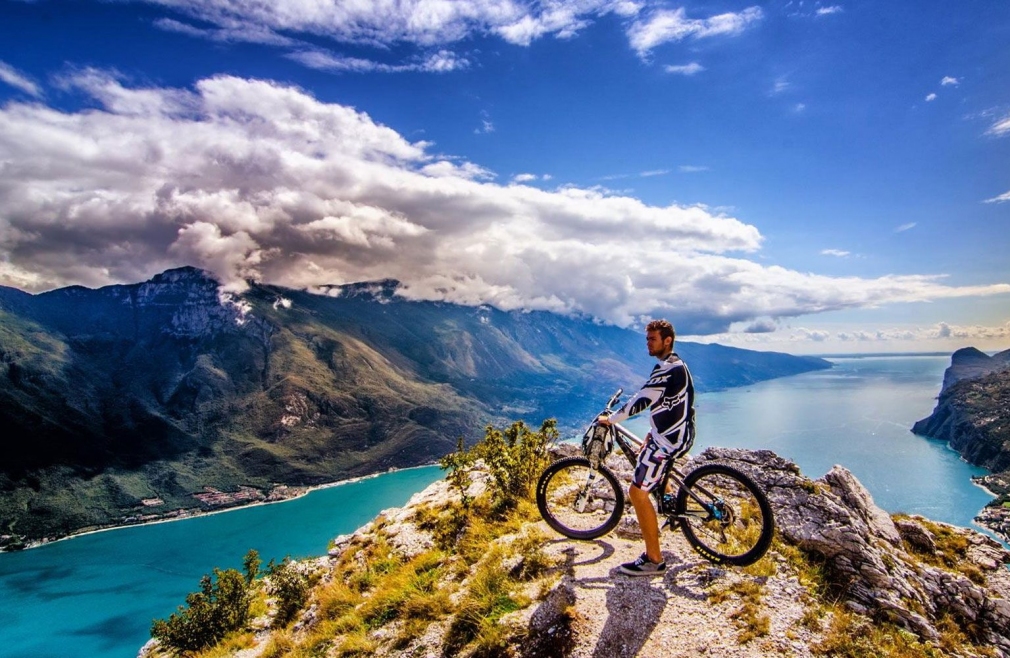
913 571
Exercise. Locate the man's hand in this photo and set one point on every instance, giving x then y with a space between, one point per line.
604 420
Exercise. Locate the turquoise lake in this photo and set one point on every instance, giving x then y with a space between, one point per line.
96 595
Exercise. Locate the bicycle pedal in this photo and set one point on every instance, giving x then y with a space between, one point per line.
672 522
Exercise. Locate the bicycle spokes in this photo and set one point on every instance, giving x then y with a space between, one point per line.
578 500
724 516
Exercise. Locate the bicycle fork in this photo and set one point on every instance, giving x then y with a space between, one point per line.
582 498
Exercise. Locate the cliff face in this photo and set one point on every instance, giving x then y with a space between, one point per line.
972 415
971 363
843 578
973 410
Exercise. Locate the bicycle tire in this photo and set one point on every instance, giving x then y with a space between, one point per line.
743 533
558 498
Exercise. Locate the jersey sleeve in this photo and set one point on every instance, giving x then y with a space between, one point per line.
644 399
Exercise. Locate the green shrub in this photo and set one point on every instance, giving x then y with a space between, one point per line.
220 607
514 457
458 464
290 587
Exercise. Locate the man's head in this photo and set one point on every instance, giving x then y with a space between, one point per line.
659 337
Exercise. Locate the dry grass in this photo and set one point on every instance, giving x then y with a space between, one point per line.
748 618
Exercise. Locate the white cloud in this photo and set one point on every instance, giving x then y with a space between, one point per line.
815 335
1001 127
442 61
799 108
428 24
780 86
834 252
529 178
941 336
691 169
254 179
826 11
232 32
684 69
654 172
11 76
424 23
905 227
947 80
999 199
930 98
763 326
671 25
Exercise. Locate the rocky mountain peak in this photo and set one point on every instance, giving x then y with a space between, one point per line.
382 290
185 274
972 363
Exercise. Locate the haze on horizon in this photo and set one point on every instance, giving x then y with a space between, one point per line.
801 176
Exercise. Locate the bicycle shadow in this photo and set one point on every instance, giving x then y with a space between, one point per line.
606 550
634 606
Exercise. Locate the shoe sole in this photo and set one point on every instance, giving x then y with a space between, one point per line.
639 574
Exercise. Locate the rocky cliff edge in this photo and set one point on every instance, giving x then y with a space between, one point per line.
843 577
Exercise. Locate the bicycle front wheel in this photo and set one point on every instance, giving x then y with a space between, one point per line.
725 516
579 501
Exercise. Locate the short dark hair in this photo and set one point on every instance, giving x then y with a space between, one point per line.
664 328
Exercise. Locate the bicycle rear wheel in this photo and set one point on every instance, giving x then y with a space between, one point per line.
730 521
579 501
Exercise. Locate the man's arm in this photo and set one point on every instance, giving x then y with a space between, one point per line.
644 399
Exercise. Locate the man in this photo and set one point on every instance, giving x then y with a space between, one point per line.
669 397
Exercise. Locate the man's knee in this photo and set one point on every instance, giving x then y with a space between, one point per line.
636 491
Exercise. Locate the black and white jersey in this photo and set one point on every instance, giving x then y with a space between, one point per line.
669 395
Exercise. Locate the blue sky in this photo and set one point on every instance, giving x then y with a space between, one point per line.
802 176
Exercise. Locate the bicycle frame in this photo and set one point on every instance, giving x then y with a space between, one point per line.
631 444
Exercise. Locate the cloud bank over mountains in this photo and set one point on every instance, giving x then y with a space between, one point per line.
941 336
253 179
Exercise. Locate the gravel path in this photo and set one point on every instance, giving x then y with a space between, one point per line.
617 616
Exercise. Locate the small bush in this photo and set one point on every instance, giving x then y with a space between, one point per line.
458 465
514 456
220 607
290 587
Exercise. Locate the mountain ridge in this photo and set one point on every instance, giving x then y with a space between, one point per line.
153 391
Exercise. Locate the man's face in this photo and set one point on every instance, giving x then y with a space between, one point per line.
658 346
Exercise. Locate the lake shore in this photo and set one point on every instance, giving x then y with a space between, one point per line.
224 502
994 518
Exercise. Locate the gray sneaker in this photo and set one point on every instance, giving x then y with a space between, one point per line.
643 566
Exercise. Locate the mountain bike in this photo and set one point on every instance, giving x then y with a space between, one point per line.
723 514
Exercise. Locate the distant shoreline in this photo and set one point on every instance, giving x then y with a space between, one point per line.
872 355
185 513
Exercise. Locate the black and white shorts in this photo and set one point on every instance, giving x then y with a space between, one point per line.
652 460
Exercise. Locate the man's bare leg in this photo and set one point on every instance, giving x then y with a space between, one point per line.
647 521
